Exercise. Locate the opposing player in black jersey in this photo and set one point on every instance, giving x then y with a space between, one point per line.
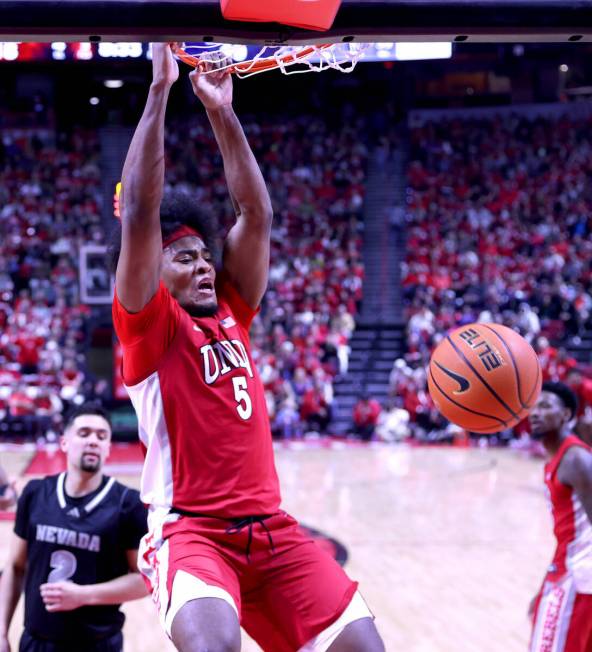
74 549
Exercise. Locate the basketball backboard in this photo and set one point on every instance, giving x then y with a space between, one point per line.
357 20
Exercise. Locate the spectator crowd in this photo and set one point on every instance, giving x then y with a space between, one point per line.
498 230
49 206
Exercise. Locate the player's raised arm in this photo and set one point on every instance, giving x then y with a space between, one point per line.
138 267
246 250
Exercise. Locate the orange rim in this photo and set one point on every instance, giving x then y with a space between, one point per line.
256 65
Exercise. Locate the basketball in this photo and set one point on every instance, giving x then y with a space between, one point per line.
484 377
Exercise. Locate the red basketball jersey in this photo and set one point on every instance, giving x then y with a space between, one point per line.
571 525
200 405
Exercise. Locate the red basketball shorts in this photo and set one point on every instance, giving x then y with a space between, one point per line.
562 619
285 589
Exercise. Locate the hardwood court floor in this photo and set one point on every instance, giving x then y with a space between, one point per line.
449 544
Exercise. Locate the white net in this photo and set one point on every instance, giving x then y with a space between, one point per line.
245 61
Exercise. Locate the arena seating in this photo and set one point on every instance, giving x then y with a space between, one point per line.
499 226
50 198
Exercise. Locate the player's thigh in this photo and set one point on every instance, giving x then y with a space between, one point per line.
195 586
206 624
304 591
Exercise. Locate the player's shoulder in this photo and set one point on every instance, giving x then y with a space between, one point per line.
578 454
231 305
41 485
576 463
126 496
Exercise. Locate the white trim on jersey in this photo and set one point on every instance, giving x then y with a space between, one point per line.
91 504
553 616
162 572
579 551
156 484
60 490
187 587
97 499
153 562
355 610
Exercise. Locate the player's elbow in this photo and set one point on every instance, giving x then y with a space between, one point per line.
259 216
139 206
18 568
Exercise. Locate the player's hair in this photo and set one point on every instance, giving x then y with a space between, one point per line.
85 408
564 393
177 209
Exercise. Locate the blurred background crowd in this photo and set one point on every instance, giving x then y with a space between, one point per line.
496 224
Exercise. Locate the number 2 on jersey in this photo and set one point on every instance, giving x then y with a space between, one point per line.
63 563
241 396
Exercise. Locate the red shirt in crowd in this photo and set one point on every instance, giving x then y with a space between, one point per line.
366 412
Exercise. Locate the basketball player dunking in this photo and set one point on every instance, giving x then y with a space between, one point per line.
219 550
562 611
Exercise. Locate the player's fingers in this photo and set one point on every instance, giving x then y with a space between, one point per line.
195 76
220 61
214 61
51 591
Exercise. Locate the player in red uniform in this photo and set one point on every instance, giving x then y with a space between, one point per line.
562 611
220 551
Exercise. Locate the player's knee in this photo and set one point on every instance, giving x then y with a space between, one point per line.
209 642
359 636
206 626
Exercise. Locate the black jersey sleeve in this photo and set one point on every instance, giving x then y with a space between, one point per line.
134 517
23 508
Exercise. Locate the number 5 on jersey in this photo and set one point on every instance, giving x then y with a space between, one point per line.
241 396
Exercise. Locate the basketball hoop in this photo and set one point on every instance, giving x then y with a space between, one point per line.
290 59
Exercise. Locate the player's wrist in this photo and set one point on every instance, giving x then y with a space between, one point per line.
85 595
216 109
161 85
